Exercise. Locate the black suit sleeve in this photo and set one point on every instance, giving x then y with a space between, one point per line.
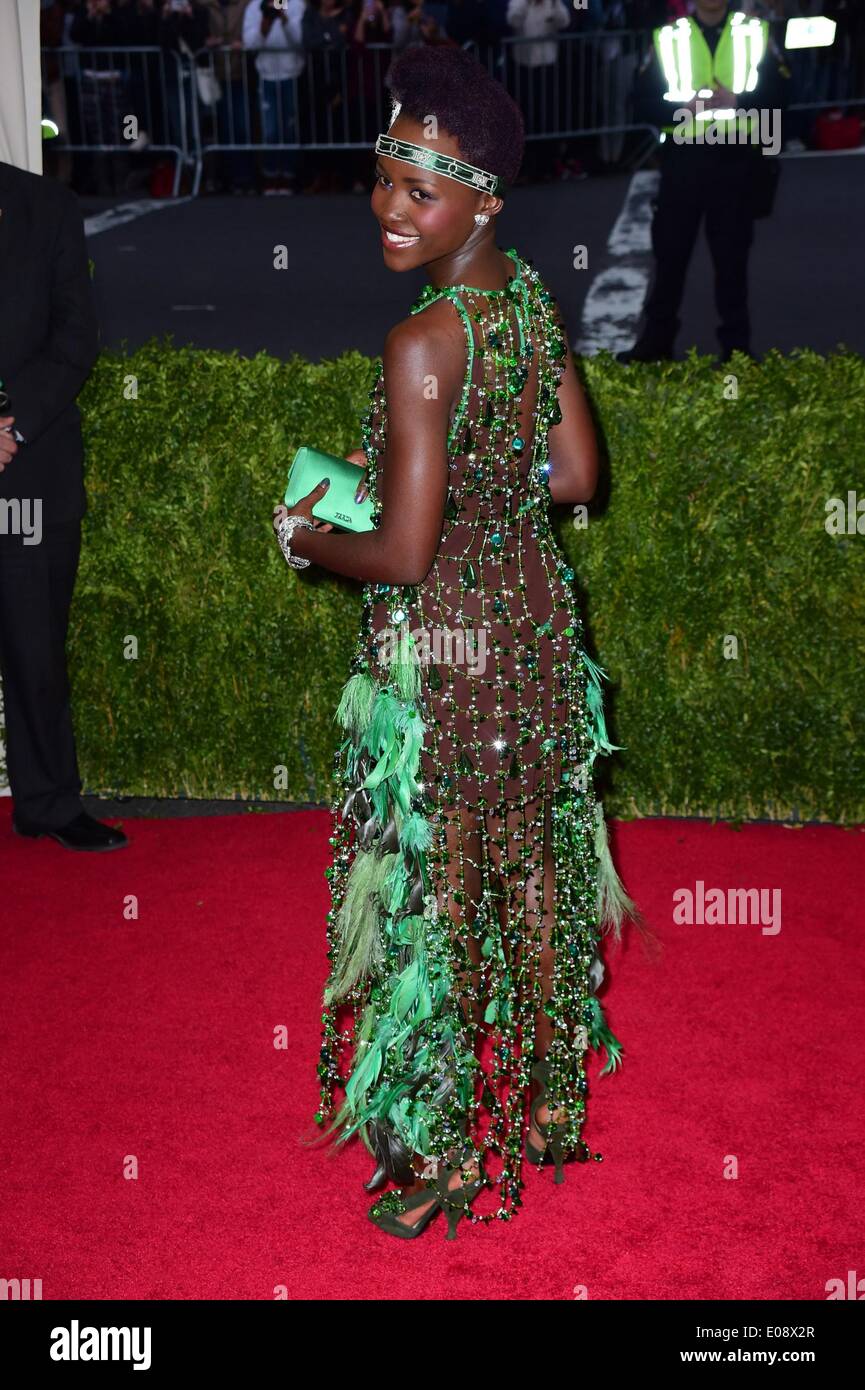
49 382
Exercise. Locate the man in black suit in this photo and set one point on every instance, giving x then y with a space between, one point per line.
49 340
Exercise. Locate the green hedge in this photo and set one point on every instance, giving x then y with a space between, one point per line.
710 522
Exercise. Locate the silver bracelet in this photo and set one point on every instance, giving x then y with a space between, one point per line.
285 531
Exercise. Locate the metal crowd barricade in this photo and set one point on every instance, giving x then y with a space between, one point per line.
588 90
828 77
112 95
217 100
338 101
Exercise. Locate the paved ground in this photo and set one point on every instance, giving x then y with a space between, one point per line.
203 269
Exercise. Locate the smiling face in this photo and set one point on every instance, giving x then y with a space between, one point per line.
424 215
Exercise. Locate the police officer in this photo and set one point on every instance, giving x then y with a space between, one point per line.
701 76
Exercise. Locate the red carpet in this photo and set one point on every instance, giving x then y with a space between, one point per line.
150 1042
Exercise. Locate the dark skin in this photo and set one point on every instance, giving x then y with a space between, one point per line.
8 443
453 249
438 213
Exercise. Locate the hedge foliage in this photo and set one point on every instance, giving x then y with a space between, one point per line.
709 525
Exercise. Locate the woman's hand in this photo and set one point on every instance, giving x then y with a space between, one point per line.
304 508
359 456
305 505
8 444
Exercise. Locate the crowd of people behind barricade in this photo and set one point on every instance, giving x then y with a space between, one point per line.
305 81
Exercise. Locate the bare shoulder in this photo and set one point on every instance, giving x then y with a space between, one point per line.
431 330
432 341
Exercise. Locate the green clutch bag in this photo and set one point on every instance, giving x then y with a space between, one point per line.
337 506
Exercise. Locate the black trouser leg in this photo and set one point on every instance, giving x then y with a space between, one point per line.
36 584
729 232
674 232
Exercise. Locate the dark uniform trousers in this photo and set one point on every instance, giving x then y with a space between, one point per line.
36 584
696 182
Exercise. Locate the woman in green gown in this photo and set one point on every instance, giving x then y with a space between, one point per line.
471 879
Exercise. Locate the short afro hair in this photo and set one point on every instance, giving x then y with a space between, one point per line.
448 83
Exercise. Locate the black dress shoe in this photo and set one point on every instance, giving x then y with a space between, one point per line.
81 833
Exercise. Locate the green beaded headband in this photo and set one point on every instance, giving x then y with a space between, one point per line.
446 164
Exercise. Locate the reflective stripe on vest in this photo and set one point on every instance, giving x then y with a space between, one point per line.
689 67
749 45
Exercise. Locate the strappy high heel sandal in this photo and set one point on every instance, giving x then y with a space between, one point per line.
385 1213
554 1149
455 1201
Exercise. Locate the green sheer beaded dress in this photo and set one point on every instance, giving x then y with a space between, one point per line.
471 717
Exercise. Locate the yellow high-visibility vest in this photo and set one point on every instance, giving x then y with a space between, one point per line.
690 69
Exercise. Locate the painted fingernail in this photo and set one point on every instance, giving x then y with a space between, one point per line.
324 482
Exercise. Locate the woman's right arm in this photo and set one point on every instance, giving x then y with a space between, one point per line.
414 480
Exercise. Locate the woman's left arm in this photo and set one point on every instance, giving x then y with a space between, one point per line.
572 444
415 475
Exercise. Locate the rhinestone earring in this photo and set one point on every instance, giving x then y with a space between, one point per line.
482 217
